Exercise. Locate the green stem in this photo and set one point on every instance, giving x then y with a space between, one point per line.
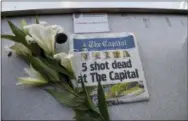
61 85
102 117
69 90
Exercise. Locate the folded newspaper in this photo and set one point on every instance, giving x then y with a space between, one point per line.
113 59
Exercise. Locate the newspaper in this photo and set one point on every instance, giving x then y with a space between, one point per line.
113 59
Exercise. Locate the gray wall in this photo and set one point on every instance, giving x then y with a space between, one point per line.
163 50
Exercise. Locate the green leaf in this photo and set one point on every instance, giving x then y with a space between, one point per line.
82 107
36 50
9 37
22 24
18 32
90 89
65 98
102 102
37 19
81 115
88 99
15 39
52 63
45 70
86 116
20 35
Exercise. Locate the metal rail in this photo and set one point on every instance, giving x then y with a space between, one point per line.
33 8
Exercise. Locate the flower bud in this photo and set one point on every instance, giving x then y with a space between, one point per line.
31 81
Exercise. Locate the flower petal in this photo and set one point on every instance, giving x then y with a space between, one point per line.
33 73
31 81
59 56
44 37
58 28
65 60
20 49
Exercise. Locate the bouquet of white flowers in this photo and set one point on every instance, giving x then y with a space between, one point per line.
53 71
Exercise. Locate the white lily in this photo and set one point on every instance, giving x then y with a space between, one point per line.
35 78
19 49
44 36
58 28
66 60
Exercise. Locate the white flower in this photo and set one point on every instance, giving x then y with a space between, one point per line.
66 60
58 28
44 37
19 49
34 79
33 73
